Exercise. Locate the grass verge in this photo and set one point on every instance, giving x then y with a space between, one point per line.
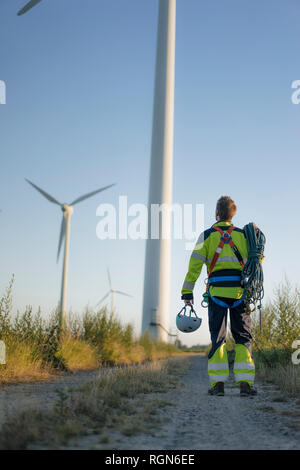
37 350
118 399
285 376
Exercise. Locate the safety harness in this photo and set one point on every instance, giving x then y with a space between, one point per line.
224 278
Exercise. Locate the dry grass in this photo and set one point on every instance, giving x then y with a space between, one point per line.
267 409
293 413
22 366
286 377
279 399
79 355
121 354
25 365
119 399
139 352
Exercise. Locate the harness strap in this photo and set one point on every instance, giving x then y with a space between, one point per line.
220 246
225 305
224 281
225 238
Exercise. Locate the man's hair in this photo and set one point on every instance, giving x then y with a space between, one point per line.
226 208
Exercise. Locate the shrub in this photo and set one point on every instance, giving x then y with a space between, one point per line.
280 324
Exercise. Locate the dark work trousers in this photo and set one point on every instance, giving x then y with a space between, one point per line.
240 323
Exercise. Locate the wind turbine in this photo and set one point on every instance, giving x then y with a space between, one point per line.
67 210
158 251
28 6
111 293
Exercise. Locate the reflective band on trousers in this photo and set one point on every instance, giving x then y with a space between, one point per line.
218 378
244 377
244 365
219 366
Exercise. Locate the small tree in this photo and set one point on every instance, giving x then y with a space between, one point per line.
280 319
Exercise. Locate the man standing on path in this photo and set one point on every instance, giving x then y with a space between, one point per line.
224 250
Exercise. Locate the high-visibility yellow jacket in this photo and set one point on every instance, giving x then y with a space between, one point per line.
203 253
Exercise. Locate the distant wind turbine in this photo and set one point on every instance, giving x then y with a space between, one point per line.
111 293
65 234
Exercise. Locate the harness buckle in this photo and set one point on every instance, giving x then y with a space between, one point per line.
204 302
226 237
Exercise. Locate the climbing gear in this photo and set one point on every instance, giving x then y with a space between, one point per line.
205 300
221 303
223 278
217 389
252 273
203 253
188 323
251 276
225 238
246 390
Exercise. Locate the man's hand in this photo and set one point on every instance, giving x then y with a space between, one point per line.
188 303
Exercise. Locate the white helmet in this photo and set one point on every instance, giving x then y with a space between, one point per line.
187 323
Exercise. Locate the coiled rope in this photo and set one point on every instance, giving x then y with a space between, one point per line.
252 273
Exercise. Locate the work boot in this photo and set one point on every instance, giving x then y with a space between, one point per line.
246 390
217 389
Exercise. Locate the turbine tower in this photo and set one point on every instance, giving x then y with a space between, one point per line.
158 251
67 210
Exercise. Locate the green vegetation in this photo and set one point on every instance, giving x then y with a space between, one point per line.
273 346
35 347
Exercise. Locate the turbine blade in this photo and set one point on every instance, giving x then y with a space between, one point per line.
103 298
122 293
61 236
46 195
85 196
109 278
28 6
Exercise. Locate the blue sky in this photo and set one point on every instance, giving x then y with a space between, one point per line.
80 78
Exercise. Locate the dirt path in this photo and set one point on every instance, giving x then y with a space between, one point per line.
199 421
196 420
40 394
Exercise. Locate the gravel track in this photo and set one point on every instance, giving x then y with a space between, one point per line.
195 421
